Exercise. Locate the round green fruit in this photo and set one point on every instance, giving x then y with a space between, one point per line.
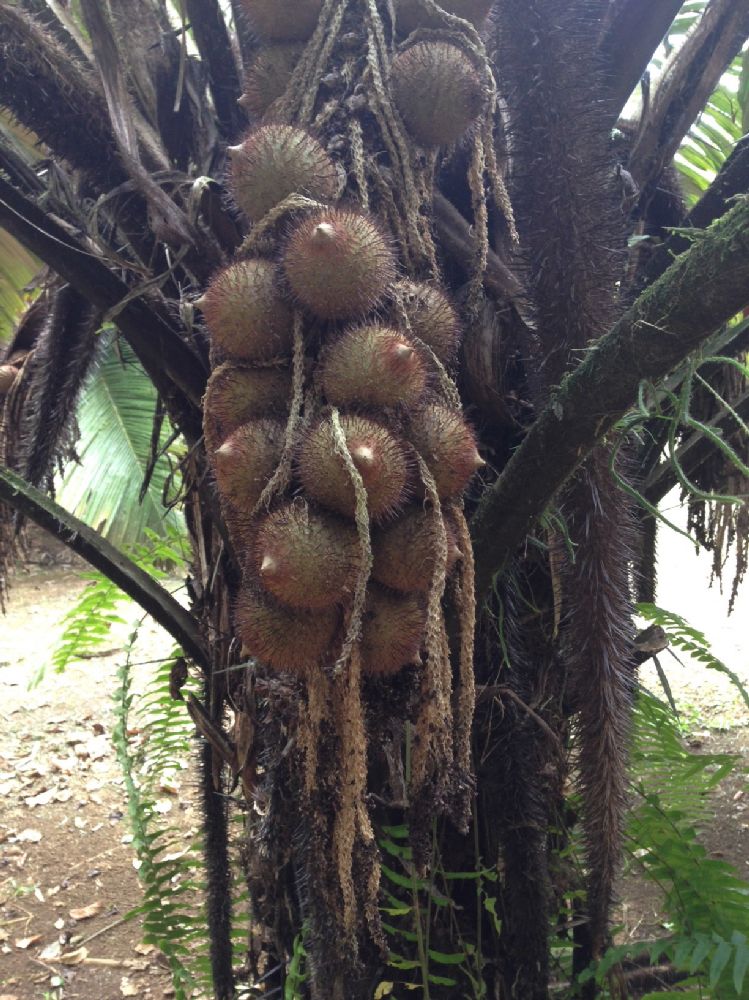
247 316
338 264
305 558
448 446
282 20
432 317
284 638
268 77
377 455
246 460
236 394
276 161
437 91
392 631
373 365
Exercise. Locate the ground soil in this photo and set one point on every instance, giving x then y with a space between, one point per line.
65 848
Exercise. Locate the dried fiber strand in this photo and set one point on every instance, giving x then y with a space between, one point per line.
282 476
353 629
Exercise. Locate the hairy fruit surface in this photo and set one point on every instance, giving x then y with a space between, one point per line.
392 631
236 394
373 365
282 20
405 551
338 264
283 638
305 558
448 446
437 91
246 461
377 455
431 315
268 77
246 315
275 161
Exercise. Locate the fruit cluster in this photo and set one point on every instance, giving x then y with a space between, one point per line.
321 344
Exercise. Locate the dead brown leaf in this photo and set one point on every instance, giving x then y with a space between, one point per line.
86 912
24 943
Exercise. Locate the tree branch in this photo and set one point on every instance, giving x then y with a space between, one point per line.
212 39
633 34
703 288
143 589
732 179
157 345
693 74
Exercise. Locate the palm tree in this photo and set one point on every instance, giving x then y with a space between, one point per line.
473 157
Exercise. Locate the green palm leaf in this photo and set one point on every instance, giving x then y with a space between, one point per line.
115 417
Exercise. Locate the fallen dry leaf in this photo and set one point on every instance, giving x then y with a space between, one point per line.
128 989
144 949
24 943
86 912
30 836
74 957
8 996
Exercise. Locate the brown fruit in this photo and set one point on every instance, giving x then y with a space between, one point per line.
373 365
246 461
404 551
379 457
282 20
304 558
245 313
275 161
338 264
448 446
283 638
437 91
236 395
410 15
268 77
432 317
392 631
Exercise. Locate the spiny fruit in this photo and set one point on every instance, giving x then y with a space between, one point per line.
437 91
405 551
373 365
447 445
246 461
392 631
283 638
275 161
268 77
305 558
236 395
282 20
338 263
246 314
379 457
410 15
431 315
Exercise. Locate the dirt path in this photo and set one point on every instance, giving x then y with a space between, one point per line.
67 874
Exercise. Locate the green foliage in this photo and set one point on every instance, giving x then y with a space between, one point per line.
169 868
417 911
87 626
706 902
116 419
691 641
296 975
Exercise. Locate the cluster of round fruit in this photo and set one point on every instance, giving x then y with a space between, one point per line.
370 344
436 87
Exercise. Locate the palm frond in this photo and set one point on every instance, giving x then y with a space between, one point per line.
115 418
